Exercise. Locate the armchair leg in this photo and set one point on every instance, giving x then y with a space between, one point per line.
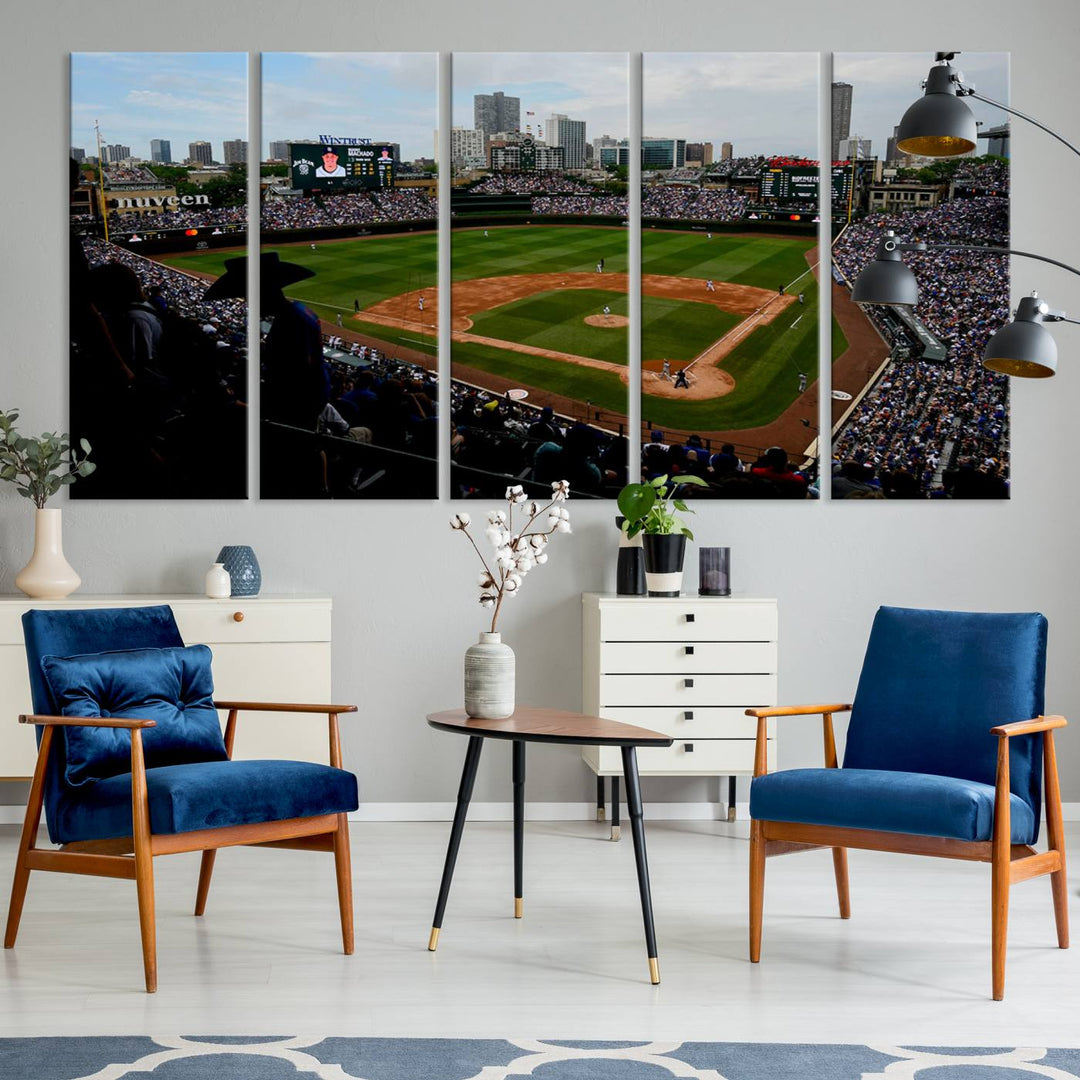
1000 870
839 858
757 887
343 867
144 861
1055 829
206 870
28 840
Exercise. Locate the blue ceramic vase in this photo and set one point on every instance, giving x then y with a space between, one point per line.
243 568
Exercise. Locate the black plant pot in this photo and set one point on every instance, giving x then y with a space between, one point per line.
630 572
664 555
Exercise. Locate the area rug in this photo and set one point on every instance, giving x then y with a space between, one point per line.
288 1058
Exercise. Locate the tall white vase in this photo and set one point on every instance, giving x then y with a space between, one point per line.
489 678
48 575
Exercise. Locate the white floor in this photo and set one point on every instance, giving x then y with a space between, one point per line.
911 966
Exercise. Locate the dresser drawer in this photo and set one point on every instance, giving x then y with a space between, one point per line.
709 757
691 723
689 657
214 621
745 691
688 620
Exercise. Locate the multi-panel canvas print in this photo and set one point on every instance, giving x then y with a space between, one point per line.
349 305
539 305
158 201
729 263
915 414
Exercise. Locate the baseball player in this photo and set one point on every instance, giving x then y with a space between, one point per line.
710 286
420 303
666 372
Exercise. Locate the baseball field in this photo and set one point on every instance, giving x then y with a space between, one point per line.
529 309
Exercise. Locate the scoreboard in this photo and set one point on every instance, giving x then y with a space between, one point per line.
797 185
330 165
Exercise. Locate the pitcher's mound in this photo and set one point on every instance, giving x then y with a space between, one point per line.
606 320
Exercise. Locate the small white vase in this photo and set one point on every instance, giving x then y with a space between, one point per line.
489 679
218 582
48 575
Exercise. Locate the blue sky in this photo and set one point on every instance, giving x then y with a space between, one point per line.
182 97
391 97
760 102
585 86
885 84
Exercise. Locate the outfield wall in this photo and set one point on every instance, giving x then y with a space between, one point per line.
773 227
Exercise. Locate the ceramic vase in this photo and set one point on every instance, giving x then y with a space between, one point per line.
48 575
630 569
243 568
218 582
489 678
664 555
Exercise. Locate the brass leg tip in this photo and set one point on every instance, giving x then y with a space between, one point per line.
600 813
519 907
616 832
654 971
433 940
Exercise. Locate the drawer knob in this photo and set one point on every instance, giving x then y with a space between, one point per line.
688 715
688 683
688 747
689 616
689 650
238 616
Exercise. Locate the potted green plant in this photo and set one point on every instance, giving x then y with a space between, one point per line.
39 467
650 508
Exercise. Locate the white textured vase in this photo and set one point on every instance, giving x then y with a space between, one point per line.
48 575
489 678
218 582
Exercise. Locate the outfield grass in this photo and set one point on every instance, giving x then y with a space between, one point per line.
680 329
529 249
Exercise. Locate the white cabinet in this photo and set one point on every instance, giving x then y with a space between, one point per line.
686 666
266 648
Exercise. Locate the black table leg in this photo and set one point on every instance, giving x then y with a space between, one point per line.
519 826
600 798
615 800
637 827
468 778
731 798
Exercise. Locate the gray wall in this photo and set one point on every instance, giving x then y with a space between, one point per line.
404 602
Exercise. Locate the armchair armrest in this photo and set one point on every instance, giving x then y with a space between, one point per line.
281 706
763 715
87 721
1029 727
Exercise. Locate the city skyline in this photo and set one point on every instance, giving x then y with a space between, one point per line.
592 87
762 103
178 97
378 96
885 84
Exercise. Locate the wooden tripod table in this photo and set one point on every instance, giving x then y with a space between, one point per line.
528 724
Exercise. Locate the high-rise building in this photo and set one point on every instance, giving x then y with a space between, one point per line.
997 140
663 153
235 151
853 147
570 135
841 116
892 151
726 151
113 152
161 150
466 148
699 153
200 153
279 150
78 153
496 112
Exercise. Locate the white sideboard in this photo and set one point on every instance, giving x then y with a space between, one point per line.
688 666
266 648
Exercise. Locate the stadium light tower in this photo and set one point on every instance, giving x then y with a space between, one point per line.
1023 347
940 124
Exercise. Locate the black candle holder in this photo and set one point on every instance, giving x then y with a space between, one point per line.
714 571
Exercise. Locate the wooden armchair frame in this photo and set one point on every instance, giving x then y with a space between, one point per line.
1009 862
132 857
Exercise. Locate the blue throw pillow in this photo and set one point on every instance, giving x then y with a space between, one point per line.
172 686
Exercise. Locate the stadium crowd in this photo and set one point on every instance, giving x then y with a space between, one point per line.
736 166
177 219
535 183
983 176
496 435
581 205
354 208
936 430
115 173
688 203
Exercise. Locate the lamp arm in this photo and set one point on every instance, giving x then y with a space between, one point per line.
996 251
1023 116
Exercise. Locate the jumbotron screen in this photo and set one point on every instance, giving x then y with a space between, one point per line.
790 185
324 165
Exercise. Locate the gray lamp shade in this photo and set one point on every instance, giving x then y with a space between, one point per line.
1022 348
939 124
886 281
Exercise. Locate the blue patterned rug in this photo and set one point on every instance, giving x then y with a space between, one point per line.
287 1058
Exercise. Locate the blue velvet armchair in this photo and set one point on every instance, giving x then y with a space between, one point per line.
132 763
947 752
